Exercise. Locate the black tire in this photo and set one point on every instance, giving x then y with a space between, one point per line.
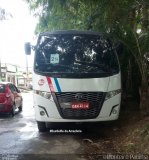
20 108
41 126
12 113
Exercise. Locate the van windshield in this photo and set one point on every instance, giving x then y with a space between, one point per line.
69 55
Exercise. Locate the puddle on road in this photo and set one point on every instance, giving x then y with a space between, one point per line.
29 127
28 136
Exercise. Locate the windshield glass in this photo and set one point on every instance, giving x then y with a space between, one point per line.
75 55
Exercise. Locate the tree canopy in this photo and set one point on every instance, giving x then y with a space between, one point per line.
4 14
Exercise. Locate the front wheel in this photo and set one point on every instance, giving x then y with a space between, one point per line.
20 108
41 126
12 113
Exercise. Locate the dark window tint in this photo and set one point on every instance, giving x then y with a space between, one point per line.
2 88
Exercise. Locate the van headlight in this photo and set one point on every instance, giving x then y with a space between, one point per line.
44 94
112 93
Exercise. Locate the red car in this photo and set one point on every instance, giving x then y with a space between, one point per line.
10 98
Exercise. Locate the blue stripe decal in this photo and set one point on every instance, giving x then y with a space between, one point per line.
57 85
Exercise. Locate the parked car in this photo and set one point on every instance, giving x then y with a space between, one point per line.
10 98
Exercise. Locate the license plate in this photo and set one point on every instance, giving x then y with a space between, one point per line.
80 105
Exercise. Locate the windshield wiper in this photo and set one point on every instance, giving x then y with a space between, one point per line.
58 66
88 63
101 66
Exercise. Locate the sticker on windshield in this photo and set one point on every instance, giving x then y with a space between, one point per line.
54 58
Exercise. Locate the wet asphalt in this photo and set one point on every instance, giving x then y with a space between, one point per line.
20 139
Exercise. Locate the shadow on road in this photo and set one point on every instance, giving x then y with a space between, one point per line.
8 115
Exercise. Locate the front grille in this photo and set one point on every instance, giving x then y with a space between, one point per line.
65 99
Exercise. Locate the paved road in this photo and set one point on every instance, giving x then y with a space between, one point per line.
19 135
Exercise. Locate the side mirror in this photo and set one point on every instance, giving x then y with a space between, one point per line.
27 47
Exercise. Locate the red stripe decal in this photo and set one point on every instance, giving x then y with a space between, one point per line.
50 84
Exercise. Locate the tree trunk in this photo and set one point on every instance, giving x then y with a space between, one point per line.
144 91
144 98
145 16
131 18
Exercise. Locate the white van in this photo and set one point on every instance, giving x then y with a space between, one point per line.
76 78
